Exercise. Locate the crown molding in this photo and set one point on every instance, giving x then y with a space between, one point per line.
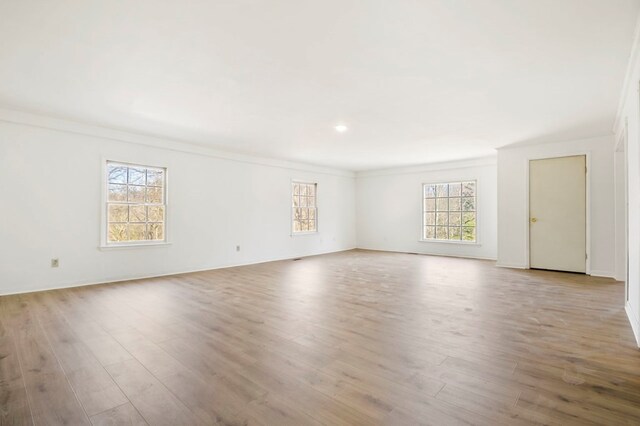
68 126
632 66
534 144
447 165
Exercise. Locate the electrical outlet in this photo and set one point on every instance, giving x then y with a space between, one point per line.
237 248
55 263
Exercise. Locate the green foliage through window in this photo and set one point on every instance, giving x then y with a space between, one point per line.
449 211
135 203
304 205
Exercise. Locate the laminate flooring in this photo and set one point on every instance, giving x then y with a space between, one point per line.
351 338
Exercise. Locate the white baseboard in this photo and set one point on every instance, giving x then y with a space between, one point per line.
607 274
168 274
511 265
635 323
428 254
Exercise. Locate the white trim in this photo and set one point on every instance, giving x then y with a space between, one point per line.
622 147
103 241
448 165
630 72
123 246
466 243
511 266
68 126
604 274
426 240
621 137
168 274
569 153
292 233
459 256
535 142
635 324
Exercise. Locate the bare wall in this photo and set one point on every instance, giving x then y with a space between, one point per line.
50 187
389 208
628 126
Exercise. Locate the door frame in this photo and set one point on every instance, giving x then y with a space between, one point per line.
622 146
587 155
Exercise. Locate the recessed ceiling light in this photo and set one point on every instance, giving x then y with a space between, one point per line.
341 128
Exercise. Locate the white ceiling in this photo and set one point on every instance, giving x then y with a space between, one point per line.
416 81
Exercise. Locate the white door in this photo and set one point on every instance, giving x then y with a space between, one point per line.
557 213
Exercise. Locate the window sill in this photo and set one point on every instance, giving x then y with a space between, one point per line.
464 243
133 245
295 234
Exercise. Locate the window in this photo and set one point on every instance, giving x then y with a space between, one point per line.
449 211
305 210
136 203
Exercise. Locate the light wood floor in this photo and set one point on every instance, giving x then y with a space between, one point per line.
344 339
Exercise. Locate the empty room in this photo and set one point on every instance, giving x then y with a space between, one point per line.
279 212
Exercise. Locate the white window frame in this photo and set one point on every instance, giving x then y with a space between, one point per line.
291 194
422 212
104 223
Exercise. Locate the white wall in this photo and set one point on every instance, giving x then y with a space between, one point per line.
50 195
628 122
513 217
389 208
621 209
